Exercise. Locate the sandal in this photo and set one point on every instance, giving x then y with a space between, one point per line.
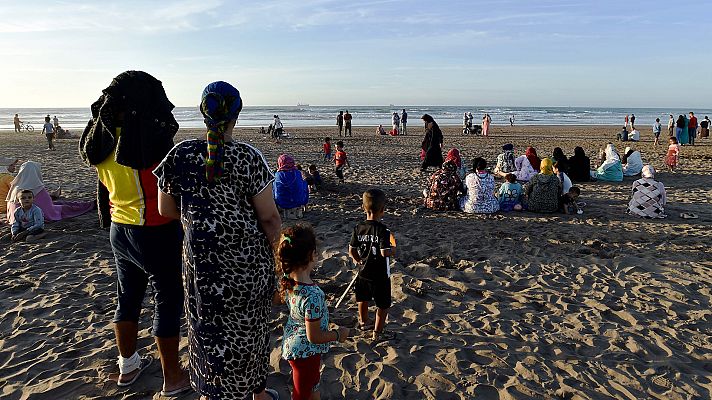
688 216
145 363
177 392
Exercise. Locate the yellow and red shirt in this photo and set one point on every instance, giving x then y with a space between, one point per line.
133 193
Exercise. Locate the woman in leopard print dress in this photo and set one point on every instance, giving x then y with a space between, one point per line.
222 192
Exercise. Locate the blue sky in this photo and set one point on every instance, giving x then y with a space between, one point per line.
278 52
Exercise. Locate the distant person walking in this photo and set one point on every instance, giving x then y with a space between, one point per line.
55 122
17 123
692 128
632 121
396 122
511 120
671 126
432 144
404 121
340 122
347 123
657 128
48 130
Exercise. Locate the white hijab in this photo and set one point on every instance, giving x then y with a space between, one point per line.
612 157
524 168
29 177
634 163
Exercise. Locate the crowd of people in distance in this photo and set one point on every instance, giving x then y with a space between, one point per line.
542 185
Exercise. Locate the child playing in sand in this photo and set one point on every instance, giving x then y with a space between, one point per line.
316 181
371 247
673 154
306 334
341 160
567 201
510 194
327 149
29 219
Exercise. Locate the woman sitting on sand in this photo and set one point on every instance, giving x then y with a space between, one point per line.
445 187
454 154
290 188
544 189
30 177
505 161
480 197
560 158
579 166
522 169
632 162
611 170
534 160
649 196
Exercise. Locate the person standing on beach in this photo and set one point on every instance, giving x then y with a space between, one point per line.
627 118
632 121
404 121
17 122
671 126
48 130
486 122
657 128
511 120
55 122
124 146
347 123
340 121
692 128
705 127
221 190
396 122
432 144
277 127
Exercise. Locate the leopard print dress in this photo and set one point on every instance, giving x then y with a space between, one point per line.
228 266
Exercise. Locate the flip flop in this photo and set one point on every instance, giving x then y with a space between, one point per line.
272 393
688 216
145 363
177 392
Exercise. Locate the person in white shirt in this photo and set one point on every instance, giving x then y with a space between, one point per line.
48 130
634 136
277 127
55 122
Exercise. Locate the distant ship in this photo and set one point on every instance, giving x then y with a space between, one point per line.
302 105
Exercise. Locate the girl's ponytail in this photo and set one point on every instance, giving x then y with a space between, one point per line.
293 252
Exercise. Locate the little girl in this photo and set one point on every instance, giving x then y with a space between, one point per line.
306 334
510 194
673 154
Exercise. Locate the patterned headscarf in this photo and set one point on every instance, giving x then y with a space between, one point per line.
454 156
220 104
546 167
285 162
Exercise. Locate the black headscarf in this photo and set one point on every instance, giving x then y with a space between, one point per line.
147 129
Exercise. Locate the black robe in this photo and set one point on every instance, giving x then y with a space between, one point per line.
432 145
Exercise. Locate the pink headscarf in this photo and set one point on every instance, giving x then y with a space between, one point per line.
285 162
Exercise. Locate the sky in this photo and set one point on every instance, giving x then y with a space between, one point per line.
322 52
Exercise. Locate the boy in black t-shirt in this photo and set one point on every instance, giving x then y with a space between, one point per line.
371 246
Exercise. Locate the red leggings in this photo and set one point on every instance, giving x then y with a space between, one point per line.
305 375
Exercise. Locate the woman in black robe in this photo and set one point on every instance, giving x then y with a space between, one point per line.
432 144
579 166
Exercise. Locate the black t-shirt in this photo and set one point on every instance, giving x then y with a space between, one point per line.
369 238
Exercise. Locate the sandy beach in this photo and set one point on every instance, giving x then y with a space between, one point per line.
508 306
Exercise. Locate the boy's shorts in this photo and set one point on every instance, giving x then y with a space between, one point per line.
379 291
327 156
340 172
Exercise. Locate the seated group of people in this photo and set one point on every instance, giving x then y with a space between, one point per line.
292 184
26 202
546 189
539 185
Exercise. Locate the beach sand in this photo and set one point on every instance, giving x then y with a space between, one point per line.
508 306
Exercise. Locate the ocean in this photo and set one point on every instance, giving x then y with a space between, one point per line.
305 115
